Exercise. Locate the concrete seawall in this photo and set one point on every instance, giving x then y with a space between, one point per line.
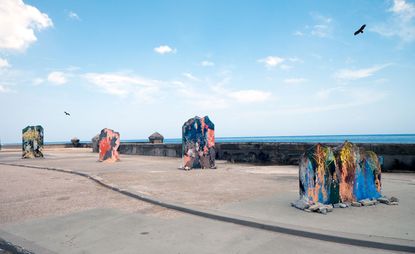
395 156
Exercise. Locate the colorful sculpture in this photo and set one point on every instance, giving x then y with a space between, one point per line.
318 177
32 142
198 147
109 141
346 175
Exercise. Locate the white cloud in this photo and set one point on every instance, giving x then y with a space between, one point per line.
401 24
57 78
74 16
164 49
320 31
276 61
323 28
207 63
4 63
220 96
298 33
18 23
123 85
295 60
336 98
348 74
190 76
327 92
295 80
248 96
4 89
271 61
37 81
403 9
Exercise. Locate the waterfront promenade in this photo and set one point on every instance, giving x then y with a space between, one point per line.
56 212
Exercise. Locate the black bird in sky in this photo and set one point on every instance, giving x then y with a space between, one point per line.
66 113
360 30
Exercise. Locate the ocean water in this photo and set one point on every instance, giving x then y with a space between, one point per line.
381 138
375 138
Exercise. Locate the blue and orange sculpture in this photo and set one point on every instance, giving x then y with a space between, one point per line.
32 142
343 174
198 147
109 141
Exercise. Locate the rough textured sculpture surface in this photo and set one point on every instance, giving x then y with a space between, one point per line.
198 146
32 142
109 141
343 174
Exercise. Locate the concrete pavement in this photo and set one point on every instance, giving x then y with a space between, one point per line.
254 192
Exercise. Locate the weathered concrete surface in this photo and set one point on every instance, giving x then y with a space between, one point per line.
51 212
259 192
27 194
114 231
395 156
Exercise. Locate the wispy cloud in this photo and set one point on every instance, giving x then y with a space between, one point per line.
37 81
349 74
4 89
74 16
18 23
295 80
164 49
298 33
248 96
403 9
221 96
207 63
401 24
57 78
190 76
336 98
123 85
295 60
271 61
4 63
325 93
323 28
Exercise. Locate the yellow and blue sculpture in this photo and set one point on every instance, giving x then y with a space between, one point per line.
32 142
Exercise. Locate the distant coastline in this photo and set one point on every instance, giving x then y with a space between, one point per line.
370 138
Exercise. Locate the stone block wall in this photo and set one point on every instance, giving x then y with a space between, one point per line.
395 156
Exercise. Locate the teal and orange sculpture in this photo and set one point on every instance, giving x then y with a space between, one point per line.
198 143
344 174
108 144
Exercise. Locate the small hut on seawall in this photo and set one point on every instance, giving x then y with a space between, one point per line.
156 138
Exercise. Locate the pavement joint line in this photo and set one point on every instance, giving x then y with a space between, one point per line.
234 220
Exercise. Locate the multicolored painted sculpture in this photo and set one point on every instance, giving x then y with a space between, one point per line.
318 177
32 142
198 147
109 141
348 157
345 174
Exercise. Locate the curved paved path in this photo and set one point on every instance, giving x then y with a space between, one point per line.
193 192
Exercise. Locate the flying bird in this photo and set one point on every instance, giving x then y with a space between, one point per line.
360 30
66 113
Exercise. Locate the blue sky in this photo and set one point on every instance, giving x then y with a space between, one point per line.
256 68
